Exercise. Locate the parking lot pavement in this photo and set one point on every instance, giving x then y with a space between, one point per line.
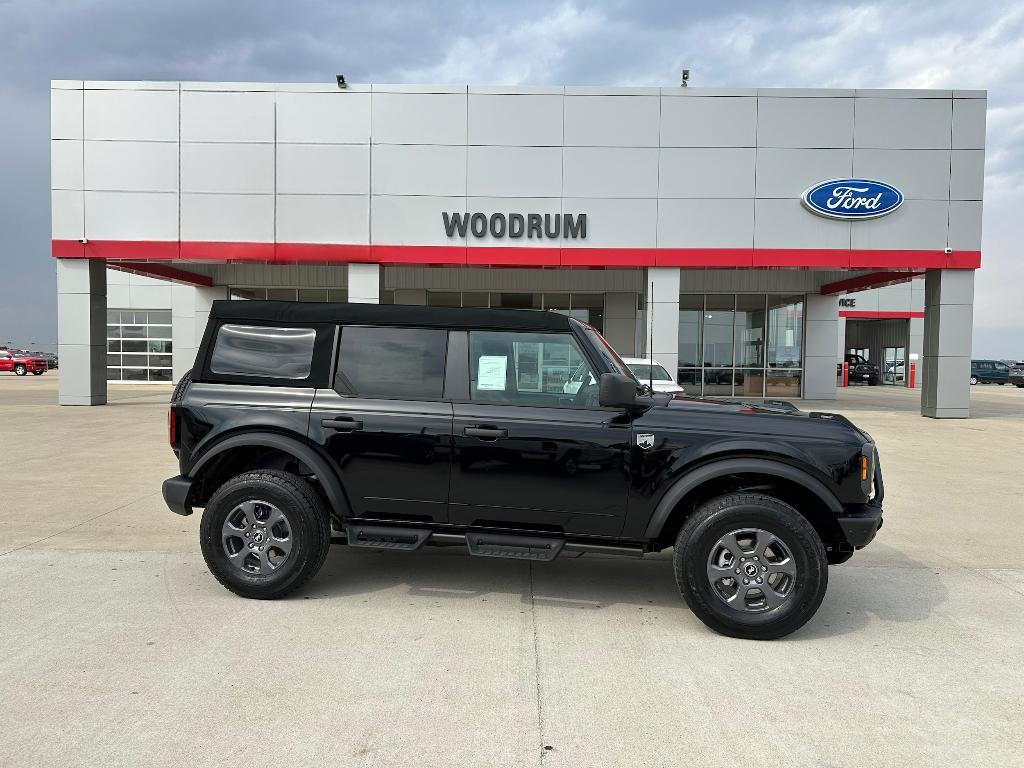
120 649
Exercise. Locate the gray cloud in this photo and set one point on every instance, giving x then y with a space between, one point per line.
911 44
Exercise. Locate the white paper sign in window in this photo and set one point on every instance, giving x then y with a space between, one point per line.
491 372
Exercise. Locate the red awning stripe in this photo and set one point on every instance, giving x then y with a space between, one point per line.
343 253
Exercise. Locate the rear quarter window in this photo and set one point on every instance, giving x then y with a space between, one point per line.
263 352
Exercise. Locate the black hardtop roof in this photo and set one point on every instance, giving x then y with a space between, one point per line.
291 312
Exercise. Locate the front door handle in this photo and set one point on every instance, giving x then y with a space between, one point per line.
486 433
342 425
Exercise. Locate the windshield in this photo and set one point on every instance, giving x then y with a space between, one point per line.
857 359
607 354
647 372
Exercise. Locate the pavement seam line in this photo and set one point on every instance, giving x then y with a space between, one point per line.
76 525
536 667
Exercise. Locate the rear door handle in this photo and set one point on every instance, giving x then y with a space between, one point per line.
486 433
342 425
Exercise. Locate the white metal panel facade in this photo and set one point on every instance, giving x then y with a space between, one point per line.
414 152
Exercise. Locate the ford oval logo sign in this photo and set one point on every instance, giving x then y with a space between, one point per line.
852 199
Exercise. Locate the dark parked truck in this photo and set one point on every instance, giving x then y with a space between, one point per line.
395 427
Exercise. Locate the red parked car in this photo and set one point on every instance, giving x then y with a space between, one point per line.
12 360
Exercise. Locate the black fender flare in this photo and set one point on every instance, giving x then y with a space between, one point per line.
723 467
301 451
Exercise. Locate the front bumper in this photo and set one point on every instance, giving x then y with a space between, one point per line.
861 523
176 491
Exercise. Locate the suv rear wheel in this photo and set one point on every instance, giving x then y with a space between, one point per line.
265 534
750 566
19 369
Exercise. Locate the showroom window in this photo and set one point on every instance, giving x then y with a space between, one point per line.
741 345
587 307
139 345
333 295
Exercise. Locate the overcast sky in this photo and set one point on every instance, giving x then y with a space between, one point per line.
931 44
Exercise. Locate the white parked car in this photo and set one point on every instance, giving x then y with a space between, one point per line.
653 373
642 369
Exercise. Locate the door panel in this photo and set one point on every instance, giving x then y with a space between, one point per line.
542 468
393 456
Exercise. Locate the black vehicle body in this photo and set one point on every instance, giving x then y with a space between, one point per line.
861 371
602 478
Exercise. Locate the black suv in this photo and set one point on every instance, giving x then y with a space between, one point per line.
395 426
861 370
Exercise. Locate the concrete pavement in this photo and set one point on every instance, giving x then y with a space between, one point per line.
120 649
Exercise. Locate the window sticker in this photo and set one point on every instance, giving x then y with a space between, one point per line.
491 373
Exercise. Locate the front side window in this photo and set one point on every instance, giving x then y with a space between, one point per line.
539 369
263 352
404 363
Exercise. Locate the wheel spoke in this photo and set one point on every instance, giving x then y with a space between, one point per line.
732 543
787 567
238 558
249 508
718 572
275 516
772 598
764 541
739 600
265 565
284 546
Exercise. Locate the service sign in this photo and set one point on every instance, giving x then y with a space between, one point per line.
852 199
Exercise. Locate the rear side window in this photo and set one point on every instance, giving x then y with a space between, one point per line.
262 352
406 363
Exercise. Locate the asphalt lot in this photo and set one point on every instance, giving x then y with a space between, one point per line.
118 648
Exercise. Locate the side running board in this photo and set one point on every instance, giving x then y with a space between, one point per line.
514 547
386 537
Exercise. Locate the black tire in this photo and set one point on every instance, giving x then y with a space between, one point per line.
306 516
37 373
699 538
974 380
19 370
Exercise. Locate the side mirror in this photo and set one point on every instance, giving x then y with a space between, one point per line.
617 391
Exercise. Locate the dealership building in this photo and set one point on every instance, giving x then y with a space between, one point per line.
746 238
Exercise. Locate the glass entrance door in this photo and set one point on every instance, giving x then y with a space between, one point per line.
894 367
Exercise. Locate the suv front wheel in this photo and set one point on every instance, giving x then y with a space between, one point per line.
265 533
750 566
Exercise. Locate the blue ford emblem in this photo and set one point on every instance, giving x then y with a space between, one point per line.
852 199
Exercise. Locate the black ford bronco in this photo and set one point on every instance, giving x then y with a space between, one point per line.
396 427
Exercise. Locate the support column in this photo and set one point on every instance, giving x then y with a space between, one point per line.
915 347
364 283
840 339
620 322
948 323
662 336
82 331
821 331
190 311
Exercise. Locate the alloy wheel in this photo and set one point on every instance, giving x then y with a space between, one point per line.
256 537
751 570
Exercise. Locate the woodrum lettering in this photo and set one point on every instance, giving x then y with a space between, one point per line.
516 225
